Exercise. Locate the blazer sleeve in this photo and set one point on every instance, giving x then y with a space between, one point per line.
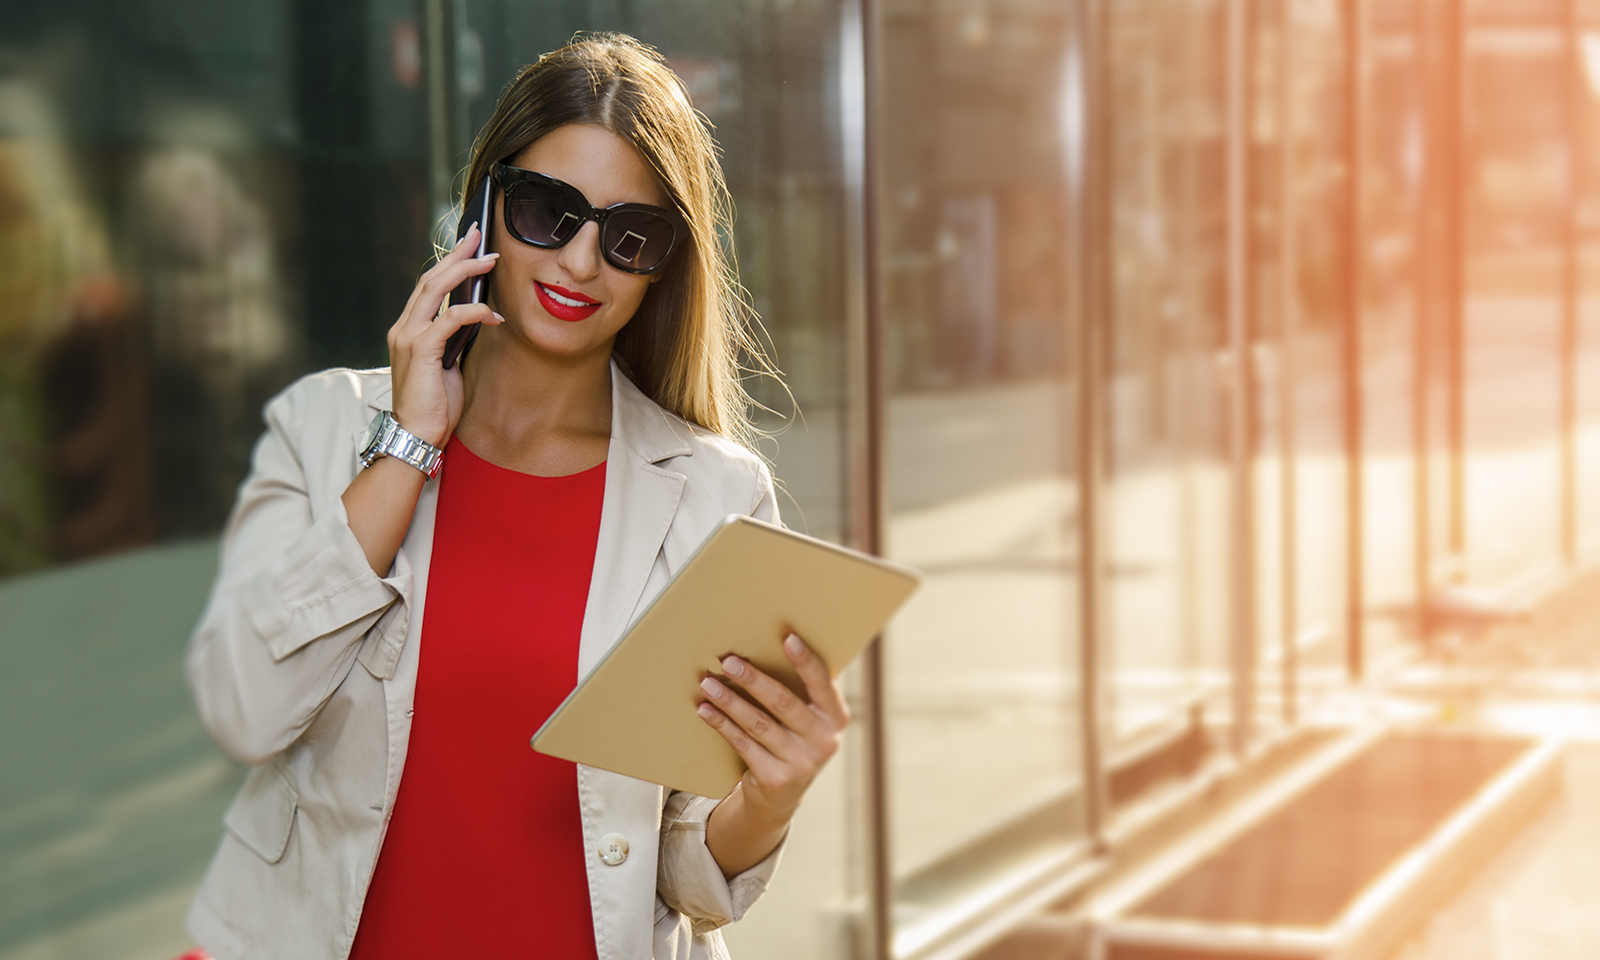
293 599
689 879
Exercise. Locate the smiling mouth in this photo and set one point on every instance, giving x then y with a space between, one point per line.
564 305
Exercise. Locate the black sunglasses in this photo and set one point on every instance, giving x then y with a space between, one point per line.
544 212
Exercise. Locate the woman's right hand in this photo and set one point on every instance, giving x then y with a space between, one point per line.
427 397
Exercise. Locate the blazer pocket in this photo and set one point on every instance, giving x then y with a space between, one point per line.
380 648
262 816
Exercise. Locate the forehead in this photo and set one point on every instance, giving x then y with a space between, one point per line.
607 168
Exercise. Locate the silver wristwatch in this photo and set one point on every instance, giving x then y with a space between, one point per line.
386 438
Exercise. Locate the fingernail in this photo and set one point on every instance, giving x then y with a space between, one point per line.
705 710
793 645
464 236
490 256
498 317
733 667
711 687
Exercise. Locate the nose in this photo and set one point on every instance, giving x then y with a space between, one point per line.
581 255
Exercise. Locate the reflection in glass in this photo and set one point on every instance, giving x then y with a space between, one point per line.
981 681
1389 304
1168 362
1514 176
1317 399
147 308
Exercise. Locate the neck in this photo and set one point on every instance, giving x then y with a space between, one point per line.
531 411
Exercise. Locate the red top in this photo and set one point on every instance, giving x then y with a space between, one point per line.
484 854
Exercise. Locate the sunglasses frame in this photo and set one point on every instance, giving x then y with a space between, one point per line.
507 177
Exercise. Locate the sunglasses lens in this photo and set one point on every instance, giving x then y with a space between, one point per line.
542 215
635 240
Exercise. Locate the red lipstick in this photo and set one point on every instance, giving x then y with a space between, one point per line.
564 311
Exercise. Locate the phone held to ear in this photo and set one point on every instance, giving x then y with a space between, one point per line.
478 210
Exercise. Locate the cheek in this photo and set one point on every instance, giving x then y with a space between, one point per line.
630 294
512 277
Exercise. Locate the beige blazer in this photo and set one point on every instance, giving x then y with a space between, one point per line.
305 662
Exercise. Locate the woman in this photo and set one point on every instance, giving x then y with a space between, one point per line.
591 441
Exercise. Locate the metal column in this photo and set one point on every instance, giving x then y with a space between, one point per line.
1288 320
1454 279
440 23
1355 107
1241 413
1421 340
866 491
1088 269
1572 102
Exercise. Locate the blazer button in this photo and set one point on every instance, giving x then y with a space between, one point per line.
613 849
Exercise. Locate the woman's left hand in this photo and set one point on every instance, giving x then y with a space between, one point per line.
784 740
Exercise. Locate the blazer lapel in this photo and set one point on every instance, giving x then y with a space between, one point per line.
641 499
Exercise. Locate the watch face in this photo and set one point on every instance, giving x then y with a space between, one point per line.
371 436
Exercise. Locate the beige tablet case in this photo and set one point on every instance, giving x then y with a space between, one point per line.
742 592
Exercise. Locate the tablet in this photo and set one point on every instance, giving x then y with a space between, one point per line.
743 591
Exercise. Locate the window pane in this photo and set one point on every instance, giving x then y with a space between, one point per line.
201 202
982 690
1167 433
1514 177
1390 253
1318 398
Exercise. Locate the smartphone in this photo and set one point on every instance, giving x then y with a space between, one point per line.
478 210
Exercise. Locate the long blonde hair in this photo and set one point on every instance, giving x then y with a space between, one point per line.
688 343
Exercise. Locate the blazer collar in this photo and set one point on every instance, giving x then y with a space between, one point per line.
641 426
379 395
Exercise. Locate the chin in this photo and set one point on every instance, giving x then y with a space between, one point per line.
561 338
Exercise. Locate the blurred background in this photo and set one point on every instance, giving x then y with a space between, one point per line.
1228 366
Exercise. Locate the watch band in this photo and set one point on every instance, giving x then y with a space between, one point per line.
386 438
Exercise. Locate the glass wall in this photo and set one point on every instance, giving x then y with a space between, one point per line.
198 204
